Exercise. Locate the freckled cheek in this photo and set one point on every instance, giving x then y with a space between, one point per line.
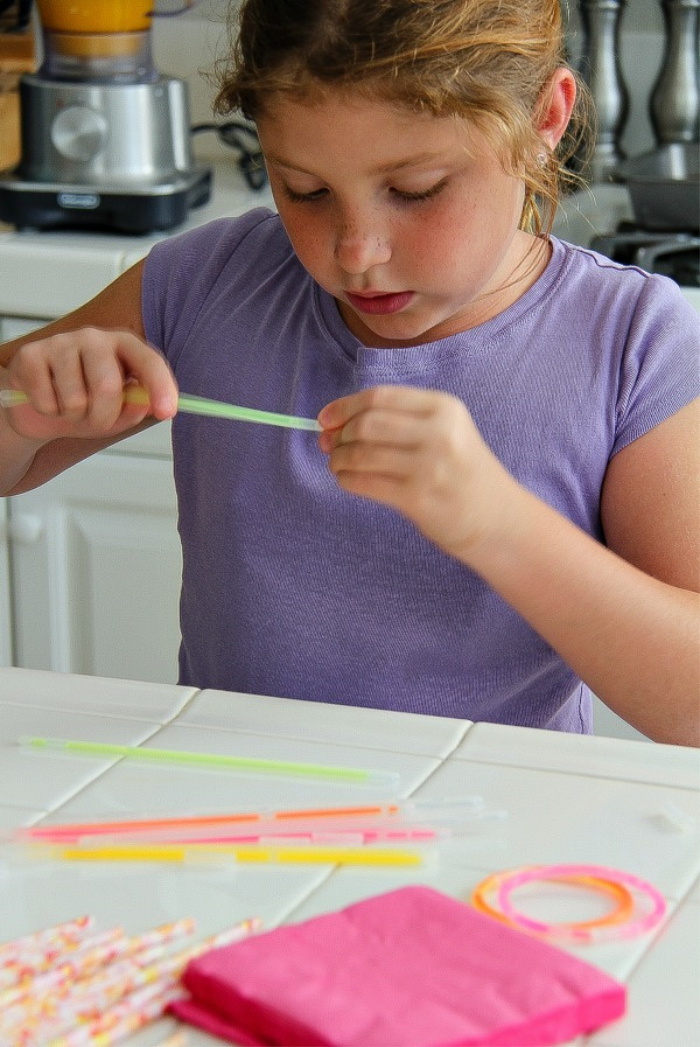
311 242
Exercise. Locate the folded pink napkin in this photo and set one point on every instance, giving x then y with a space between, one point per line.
411 967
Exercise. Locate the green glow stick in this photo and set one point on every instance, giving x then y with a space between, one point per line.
214 760
195 405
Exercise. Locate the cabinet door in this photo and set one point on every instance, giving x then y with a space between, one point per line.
96 570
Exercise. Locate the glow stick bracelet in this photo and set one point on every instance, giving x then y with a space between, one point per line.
215 761
194 405
232 852
604 878
601 873
70 831
60 934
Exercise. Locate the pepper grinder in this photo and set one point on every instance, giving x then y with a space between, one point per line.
600 68
675 99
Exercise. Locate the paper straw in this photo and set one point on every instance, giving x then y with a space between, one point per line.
231 852
94 953
50 966
126 1017
194 405
60 934
212 760
89 997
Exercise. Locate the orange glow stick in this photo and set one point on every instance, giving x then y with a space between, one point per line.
75 830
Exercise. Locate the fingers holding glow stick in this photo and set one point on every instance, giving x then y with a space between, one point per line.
135 394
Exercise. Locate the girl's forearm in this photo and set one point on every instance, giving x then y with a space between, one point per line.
17 454
633 639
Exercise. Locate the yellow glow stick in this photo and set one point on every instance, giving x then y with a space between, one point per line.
166 852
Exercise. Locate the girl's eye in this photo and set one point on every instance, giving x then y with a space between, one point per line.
417 197
303 198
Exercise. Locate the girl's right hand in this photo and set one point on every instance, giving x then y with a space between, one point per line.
75 382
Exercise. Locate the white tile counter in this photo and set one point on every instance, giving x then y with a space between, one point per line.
567 798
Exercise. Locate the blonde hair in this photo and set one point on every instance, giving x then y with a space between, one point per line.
489 62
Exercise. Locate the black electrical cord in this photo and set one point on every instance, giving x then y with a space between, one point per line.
244 139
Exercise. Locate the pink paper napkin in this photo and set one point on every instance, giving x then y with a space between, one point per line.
411 967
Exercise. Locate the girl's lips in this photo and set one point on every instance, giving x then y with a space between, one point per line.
379 304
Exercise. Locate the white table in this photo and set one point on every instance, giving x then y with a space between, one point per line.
568 798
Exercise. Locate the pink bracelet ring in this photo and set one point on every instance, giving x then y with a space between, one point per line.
622 912
610 881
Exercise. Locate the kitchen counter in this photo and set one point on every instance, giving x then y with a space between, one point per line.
568 799
46 274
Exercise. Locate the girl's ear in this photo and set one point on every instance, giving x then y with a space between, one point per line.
555 106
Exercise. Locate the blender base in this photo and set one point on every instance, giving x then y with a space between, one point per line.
118 209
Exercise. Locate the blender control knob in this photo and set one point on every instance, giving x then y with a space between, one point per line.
79 133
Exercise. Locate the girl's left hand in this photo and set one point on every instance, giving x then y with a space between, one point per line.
419 451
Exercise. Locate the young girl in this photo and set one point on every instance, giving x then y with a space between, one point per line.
501 512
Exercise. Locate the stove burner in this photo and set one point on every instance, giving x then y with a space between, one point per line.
671 254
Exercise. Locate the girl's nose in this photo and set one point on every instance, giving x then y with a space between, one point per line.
357 250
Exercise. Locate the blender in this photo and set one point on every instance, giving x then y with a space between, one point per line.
105 138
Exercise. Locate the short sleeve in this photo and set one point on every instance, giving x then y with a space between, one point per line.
181 274
660 366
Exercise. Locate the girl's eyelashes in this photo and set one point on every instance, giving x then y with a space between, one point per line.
423 194
303 198
404 195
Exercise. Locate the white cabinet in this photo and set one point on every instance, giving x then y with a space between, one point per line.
95 570
90 563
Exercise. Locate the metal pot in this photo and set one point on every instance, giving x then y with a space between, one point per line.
664 187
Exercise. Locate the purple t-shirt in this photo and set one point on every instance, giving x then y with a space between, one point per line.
292 587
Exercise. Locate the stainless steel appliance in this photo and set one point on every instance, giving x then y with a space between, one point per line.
664 236
105 137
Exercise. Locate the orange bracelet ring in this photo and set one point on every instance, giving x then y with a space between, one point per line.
578 929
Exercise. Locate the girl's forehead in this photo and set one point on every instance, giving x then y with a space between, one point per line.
354 106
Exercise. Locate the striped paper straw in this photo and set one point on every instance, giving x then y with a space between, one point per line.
60 934
95 953
25 978
73 1003
133 1013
